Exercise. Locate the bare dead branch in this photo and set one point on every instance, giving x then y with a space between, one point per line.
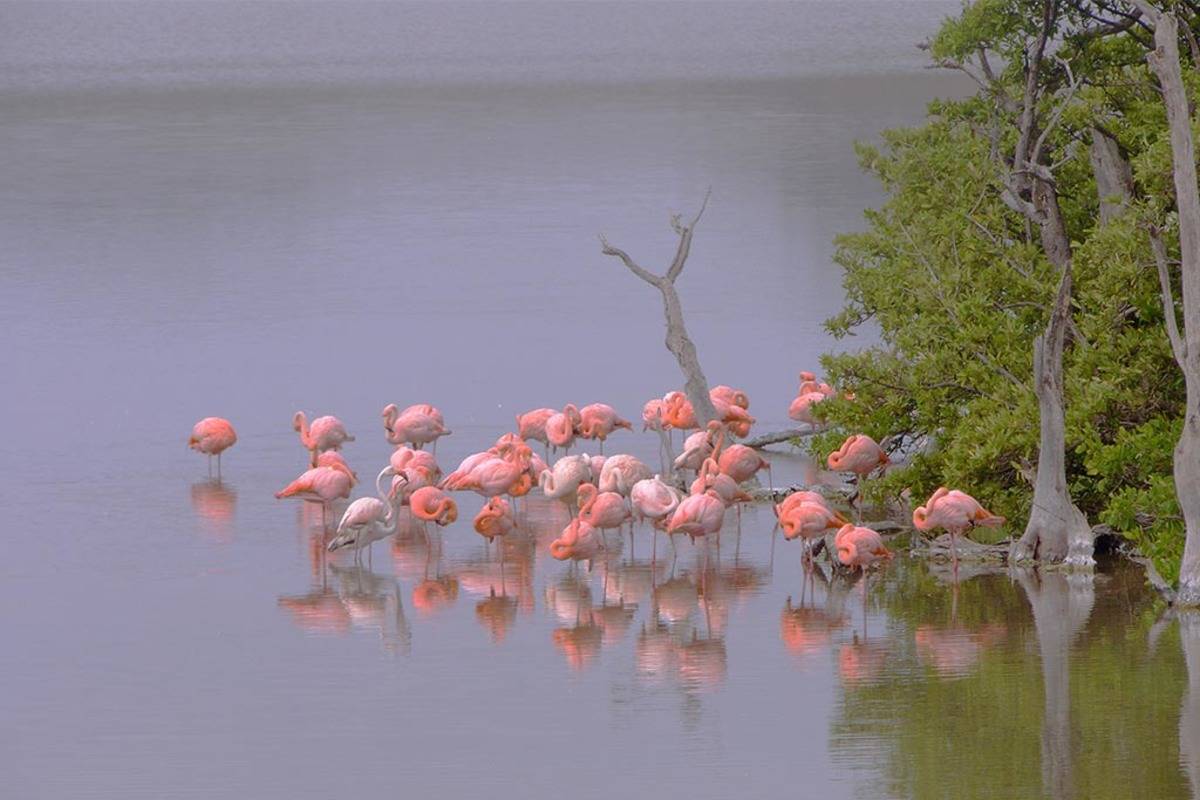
644 274
685 239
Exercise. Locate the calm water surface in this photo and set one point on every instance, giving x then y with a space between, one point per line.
247 209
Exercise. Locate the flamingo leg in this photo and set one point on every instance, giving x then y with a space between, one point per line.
954 553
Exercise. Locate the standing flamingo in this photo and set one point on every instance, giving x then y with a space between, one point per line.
212 436
417 425
366 521
321 485
620 473
730 396
603 510
809 521
699 515
562 481
678 411
431 504
741 463
956 512
654 499
532 424
859 454
598 421
859 547
579 541
560 430
325 433
494 519
801 408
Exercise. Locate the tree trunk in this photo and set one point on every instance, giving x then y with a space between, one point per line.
680 345
1057 530
1061 606
1166 64
1114 178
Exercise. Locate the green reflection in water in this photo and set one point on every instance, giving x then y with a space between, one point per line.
1018 685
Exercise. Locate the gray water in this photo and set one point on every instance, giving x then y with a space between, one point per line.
248 209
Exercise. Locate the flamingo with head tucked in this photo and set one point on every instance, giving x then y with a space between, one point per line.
579 541
741 463
729 395
678 411
212 436
699 515
956 512
321 485
562 481
620 473
325 433
859 454
560 430
859 547
603 510
808 521
494 519
431 504
598 421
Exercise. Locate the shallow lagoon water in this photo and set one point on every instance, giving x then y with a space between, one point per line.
210 234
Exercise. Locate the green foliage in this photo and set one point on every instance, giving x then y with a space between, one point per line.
957 287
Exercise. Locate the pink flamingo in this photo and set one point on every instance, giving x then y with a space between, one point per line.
956 512
801 408
596 465
809 383
366 521
795 499
729 396
809 521
431 504
560 431
331 457
859 454
711 477
653 416
490 477
408 480
678 411
532 424
212 436
417 425
859 547
698 515
404 457
603 510
321 485
325 433
579 541
494 519
741 463
699 446
598 421
620 473
654 499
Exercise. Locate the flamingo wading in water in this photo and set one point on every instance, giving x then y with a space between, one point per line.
212 436
325 433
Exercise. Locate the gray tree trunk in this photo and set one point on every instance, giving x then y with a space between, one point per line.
678 341
1061 606
1114 178
1057 530
1165 62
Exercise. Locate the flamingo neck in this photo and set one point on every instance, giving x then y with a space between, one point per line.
305 439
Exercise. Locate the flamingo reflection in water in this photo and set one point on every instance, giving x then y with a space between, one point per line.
579 637
362 600
214 503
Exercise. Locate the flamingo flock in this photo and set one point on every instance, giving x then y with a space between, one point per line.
601 493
